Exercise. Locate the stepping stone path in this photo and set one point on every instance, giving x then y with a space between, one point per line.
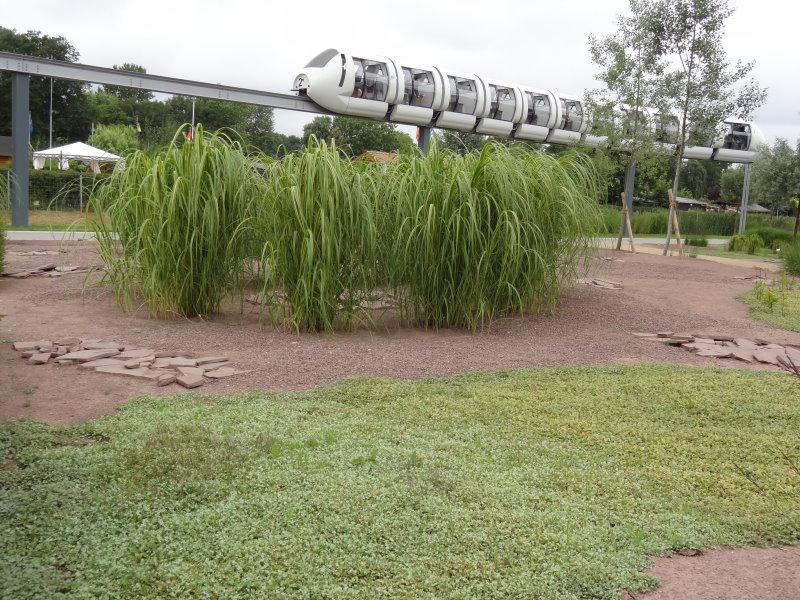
725 346
163 367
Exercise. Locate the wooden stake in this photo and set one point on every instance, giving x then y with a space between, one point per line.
673 221
625 220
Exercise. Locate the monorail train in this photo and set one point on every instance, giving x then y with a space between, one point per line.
425 95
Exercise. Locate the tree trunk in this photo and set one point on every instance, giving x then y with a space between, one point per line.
797 219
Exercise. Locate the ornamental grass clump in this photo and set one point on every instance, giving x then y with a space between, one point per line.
485 235
320 253
179 225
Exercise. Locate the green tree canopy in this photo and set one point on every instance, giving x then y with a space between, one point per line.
117 139
71 120
776 175
126 94
355 136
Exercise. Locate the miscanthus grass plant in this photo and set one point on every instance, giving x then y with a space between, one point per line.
487 234
179 225
453 241
320 227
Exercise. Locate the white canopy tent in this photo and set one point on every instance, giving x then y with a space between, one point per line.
89 155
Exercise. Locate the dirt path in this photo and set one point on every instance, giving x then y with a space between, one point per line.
728 574
591 326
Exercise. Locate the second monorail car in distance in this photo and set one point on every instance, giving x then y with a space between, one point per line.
387 89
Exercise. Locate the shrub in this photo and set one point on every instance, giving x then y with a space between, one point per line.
117 139
700 241
791 257
185 218
745 242
770 235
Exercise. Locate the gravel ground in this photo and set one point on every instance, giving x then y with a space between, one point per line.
590 326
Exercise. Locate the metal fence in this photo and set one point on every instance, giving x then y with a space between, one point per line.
55 190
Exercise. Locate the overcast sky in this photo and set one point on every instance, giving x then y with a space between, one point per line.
264 45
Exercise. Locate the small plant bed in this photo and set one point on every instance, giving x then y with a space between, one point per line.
547 483
188 369
776 302
725 346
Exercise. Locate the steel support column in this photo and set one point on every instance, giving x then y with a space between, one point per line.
745 199
424 138
20 134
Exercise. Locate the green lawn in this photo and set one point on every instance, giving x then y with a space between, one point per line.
548 483
761 253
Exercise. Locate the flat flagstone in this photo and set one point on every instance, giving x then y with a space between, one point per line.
166 379
140 373
210 359
101 362
137 353
716 352
190 377
768 356
175 361
39 358
87 355
103 346
743 354
67 341
214 366
745 343
25 346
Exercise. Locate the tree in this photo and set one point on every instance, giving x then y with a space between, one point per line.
106 109
631 67
731 185
126 94
355 136
117 139
693 179
258 127
705 87
460 142
320 127
71 120
776 175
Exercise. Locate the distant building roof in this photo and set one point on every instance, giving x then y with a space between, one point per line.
377 156
690 202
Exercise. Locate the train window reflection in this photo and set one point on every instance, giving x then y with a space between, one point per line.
738 137
503 103
538 109
572 118
372 79
463 95
418 87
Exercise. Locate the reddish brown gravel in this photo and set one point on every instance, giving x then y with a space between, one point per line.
591 325
728 574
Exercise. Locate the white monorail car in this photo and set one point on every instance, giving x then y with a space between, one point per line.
386 89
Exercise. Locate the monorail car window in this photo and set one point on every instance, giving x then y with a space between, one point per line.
506 103
538 110
423 89
418 87
372 80
463 95
738 137
573 115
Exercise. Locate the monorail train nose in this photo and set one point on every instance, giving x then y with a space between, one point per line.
300 84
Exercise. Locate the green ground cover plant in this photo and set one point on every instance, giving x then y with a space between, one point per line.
777 304
699 241
548 483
